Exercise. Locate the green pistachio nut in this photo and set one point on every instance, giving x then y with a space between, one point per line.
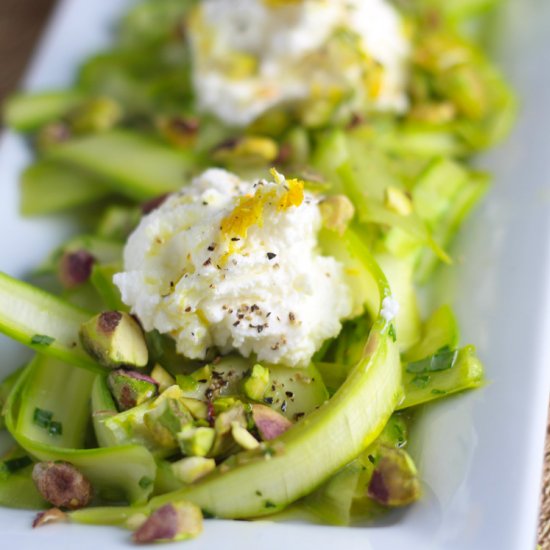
130 388
192 468
243 437
223 404
269 423
394 481
196 441
256 384
166 420
246 150
162 377
198 408
95 115
114 339
178 520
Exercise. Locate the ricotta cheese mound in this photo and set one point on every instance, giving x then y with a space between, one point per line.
251 55
235 265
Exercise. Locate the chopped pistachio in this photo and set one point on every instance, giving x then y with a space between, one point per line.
398 201
179 131
192 468
198 408
257 383
75 268
53 515
162 377
61 484
130 388
95 115
166 420
135 521
394 481
243 437
223 426
337 211
196 441
269 423
247 150
223 404
114 339
179 520
52 134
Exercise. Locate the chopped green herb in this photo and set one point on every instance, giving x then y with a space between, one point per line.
259 493
55 428
439 392
443 359
421 381
145 482
16 464
207 514
392 333
270 504
42 418
42 340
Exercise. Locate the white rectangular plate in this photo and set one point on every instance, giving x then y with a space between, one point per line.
480 454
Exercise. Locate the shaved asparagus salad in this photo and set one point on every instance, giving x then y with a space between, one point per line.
264 186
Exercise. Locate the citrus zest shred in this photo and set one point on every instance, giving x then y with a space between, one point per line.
249 209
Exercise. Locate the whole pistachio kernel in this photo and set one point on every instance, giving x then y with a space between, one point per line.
114 339
62 485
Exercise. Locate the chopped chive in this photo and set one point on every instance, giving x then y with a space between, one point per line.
16 464
42 418
42 340
55 428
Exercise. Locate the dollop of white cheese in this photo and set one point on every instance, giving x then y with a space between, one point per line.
251 55
235 265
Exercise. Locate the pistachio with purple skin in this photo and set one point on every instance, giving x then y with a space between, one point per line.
130 388
179 131
53 515
177 521
114 339
62 485
52 134
269 423
75 268
394 481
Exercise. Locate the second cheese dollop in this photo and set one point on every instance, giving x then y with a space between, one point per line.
335 55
